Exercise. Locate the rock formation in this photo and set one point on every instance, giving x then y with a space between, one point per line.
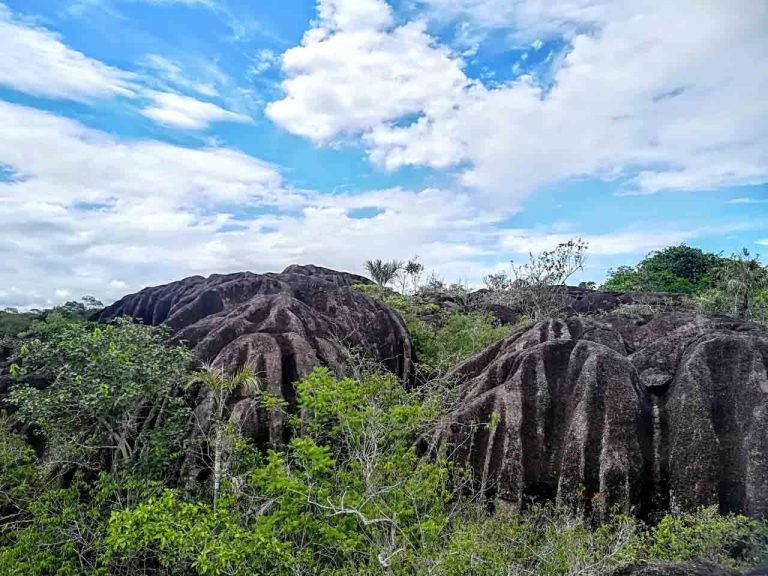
605 411
575 300
282 325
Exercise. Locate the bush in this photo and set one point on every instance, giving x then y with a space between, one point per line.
442 337
105 390
678 269
731 540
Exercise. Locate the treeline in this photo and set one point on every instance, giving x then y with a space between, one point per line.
736 285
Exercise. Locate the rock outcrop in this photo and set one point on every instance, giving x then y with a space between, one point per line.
605 411
282 325
575 300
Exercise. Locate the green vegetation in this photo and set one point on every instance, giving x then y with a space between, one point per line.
96 436
736 286
113 398
14 322
349 494
678 269
443 337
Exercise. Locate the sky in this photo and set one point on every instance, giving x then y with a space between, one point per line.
143 141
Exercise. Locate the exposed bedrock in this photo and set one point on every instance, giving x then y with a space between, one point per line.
282 325
607 411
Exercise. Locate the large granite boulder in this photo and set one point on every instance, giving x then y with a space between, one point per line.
606 411
282 325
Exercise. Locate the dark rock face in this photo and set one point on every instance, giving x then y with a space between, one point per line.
585 301
338 278
575 301
606 411
282 325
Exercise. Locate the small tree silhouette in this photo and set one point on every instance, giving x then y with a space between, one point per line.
383 272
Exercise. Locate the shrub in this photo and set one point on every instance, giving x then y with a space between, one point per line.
731 539
536 288
113 395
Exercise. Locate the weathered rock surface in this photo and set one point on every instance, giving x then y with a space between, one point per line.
282 325
604 411
576 300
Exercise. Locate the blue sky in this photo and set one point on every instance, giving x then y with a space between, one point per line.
146 140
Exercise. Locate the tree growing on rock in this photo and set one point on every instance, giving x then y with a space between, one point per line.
221 386
383 272
537 287
410 273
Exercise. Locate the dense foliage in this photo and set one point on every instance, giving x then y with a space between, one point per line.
735 285
443 337
348 495
679 269
103 397
96 430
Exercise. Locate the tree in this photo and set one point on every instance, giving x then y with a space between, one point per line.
678 269
104 397
682 261
410 272
741 278
537 288
221 386
383 272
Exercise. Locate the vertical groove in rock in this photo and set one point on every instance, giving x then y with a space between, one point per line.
668 413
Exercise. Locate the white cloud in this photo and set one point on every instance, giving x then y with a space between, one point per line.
529 19
35 61
173 73
87 213
641 98
352 73
187 112
207 3
90 214
610 244
352 15
745 200
60 161
264 60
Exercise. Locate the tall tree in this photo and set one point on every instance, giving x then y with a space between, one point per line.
221 386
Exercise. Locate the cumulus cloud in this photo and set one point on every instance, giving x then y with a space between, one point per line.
87 213
637 97
36 61
187 112
91 214
352 73
528 19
